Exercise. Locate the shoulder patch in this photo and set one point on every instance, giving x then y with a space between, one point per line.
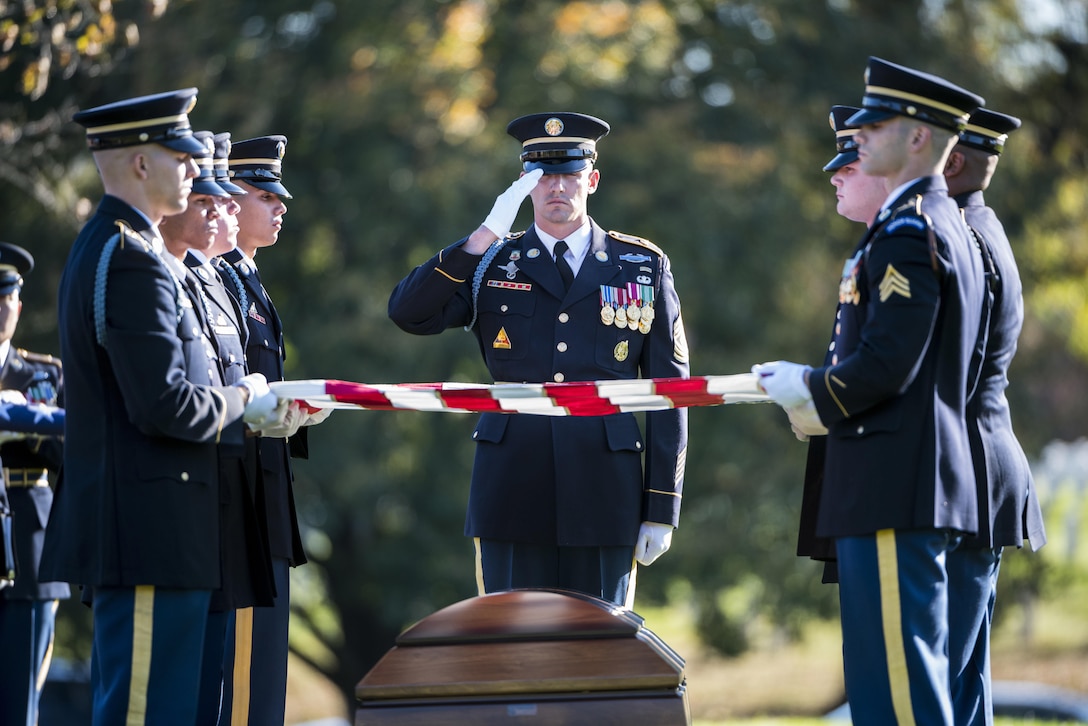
632 239
901 222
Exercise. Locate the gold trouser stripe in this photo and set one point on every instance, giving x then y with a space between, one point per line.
479 567
143 621
892 619
629 600
48 658
243 665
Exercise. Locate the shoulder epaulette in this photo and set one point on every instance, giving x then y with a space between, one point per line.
127 233
38 357
632 239
908 214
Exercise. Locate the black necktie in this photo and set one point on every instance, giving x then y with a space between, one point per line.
561 262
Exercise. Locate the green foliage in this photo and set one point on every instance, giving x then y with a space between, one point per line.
395 112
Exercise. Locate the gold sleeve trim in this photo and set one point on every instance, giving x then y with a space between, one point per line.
827 384
445 274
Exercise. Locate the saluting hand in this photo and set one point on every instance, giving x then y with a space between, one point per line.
507 204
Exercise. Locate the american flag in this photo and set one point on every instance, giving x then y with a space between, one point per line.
578 398
32 418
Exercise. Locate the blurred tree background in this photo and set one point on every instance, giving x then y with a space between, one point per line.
395 111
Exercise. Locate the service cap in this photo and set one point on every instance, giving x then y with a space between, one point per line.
846 145
161 118
988 130
14 263
560 142
221 166
205 161
259 162
895 90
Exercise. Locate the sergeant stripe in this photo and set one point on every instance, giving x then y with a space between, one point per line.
243 666
892 619
143 623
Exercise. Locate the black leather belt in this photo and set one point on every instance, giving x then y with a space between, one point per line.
26 477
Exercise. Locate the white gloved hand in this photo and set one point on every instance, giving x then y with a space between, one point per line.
10 395
507 204
654 540
261 408
805 421
314 414
289 422
784 382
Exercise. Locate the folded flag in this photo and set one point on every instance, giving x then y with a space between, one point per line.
32 418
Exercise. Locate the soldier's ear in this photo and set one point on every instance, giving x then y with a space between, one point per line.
955 164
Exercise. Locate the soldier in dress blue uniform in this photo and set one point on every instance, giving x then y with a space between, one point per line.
28 608
190 237
858 198
256 683
1009 506
898 490
563 502
136 516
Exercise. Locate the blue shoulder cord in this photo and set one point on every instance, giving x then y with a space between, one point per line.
101 274
243 302
478 277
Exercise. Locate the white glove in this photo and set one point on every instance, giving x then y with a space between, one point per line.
784 382
261 408
288 424
654 540
509 202
315 415
805 421
10 395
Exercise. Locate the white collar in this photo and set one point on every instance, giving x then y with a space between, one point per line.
577 243
5 351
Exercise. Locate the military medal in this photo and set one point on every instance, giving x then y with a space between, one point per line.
634 312
621 309
646 318
608 314
848 284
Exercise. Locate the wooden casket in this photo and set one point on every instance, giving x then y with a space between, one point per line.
526 657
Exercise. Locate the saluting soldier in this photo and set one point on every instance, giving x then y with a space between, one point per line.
565 502
898 492
136 516
28 608
1009 510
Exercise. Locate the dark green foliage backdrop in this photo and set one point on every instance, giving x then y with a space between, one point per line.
395 112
